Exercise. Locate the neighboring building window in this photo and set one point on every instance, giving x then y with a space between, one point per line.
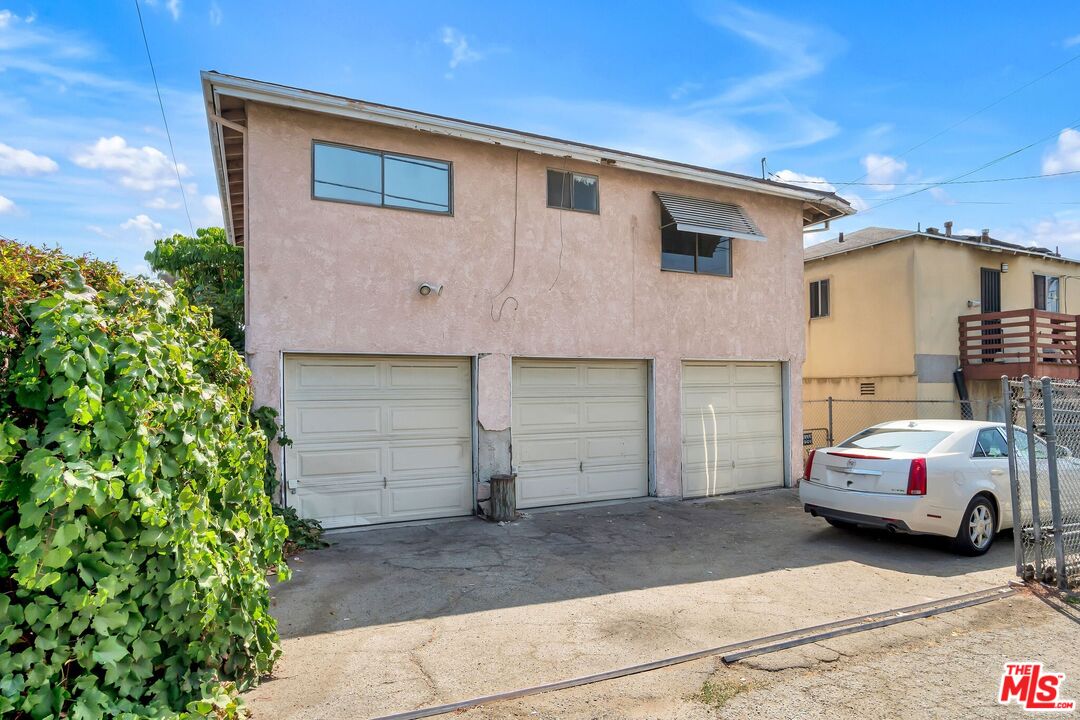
573 191
819 299
370 177
1046 293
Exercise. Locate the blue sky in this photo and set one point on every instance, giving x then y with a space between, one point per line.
838 93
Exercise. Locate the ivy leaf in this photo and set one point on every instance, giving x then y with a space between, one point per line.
109 651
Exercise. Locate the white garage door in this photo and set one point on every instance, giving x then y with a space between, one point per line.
732 427
378 439
579 430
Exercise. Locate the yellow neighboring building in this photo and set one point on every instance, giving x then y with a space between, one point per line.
887 309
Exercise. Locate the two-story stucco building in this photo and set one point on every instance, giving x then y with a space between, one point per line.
933 315
430 301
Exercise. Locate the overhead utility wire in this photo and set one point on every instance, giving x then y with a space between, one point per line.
995 161
932 183
164 120
981 110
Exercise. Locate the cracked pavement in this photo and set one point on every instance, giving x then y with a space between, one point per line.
394 619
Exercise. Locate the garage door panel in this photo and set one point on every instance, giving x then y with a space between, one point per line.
450 419
574 419
428 498
531 377
535 489
410 375
540 415
712 375
757 374
615 482
559 450
378 439
757 424
631 378
315 421
322 464
622 449
341 507
318 376
602 413
699 482
756 399
732 427
698 427
429 458
701 400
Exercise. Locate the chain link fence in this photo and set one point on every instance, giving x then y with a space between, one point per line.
1044 471
833 420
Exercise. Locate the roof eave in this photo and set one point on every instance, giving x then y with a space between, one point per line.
216 141
821 206
945 238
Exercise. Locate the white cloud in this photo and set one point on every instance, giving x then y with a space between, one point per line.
798 51
173 6
145 227
212 206
14 161
460 52
883 170
1070 42
6 205
215 14
942 196
146 168
100 231
683 89
819 183
6 18
160 203
1066 154
1059 230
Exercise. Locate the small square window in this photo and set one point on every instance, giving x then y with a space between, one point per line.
819 299
573 191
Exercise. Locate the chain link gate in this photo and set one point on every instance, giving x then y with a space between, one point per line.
1044 475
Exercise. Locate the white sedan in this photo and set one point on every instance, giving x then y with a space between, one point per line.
937 477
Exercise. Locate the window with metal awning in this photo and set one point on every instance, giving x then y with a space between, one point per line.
708 217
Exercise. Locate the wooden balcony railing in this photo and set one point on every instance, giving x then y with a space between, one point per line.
1019 342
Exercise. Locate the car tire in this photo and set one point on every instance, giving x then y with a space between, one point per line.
842 524
977 527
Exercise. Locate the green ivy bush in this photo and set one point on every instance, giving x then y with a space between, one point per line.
135 532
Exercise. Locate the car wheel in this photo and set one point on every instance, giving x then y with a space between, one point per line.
976 533
842 524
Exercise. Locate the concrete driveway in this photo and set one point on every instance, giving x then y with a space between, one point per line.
399 618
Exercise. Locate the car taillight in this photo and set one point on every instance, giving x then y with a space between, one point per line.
809 465
916 479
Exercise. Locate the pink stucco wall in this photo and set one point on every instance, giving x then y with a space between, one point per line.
339 278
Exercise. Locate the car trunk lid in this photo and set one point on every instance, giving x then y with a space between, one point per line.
872 471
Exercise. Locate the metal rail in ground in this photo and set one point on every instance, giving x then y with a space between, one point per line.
739 650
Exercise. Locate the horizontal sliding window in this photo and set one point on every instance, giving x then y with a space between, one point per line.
370 177
573 191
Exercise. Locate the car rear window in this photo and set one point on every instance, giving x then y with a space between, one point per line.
899 439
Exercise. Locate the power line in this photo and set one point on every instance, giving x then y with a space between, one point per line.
981 110
953 180
164 120
930 183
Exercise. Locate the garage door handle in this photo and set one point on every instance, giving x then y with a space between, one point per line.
384 483
581 466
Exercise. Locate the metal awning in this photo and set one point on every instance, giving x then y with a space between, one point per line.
709 217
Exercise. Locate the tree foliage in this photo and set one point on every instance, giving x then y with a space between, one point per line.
134 527
211 272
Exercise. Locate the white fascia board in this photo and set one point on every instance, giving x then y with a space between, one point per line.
256 91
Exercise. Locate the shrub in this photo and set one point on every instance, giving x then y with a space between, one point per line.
135 532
